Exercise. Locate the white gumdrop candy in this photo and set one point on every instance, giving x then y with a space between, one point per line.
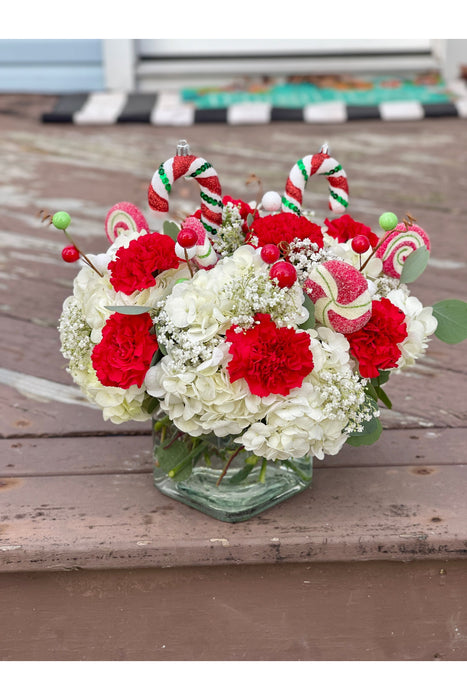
190 252
271 201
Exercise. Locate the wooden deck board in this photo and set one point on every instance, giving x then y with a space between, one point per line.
76 492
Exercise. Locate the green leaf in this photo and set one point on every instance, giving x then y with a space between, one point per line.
178 458
370 390
381 394
150 403
382 377
156 357
170 228
130 310
249 219
415 264
310 307
451 315
367 438
242 474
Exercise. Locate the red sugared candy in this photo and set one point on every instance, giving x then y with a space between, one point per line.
70 254
360 244
270 253
340 295
284 272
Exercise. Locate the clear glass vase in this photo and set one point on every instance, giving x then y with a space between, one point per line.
216 477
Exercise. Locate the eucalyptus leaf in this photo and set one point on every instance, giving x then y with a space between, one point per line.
249 219
369 436
170 228
451 315
415 264
150 403
310 307
130 310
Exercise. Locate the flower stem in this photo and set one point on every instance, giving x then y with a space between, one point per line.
85 258
262 474
232 457
374 250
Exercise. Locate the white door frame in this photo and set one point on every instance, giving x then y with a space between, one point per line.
121 60
119 64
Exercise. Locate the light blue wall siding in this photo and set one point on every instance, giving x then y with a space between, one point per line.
51 65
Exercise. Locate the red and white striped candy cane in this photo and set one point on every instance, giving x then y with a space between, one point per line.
321 164
188 166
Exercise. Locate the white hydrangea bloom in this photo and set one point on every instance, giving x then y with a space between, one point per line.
117 405
203 399
420 324
83 317
312 419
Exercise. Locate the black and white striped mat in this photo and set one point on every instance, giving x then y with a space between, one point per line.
168 109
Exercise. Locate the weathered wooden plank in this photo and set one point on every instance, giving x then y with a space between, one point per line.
122 454
375 611
121 521
38 413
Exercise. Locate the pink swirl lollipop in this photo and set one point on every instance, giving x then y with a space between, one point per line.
398 245
188 166
320 164
340 295
124 216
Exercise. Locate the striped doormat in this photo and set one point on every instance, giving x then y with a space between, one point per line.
169 109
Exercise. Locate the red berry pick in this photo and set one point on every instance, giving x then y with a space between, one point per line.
360 244
187 238
284 272
270 253
70 254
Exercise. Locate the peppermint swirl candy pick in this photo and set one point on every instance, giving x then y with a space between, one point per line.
124 216
398 245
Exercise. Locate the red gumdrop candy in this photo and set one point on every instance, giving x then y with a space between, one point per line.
187 238
360 244
70 254
270 253
284 272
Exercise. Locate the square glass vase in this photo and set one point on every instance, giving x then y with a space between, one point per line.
215 476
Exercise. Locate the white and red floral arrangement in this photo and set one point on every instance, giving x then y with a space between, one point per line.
251 320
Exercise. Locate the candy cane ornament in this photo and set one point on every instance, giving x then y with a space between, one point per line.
124 216
185 165
321 164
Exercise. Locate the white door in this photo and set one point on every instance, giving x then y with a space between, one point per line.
175 63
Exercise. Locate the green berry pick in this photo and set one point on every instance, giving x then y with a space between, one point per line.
388 221
61 220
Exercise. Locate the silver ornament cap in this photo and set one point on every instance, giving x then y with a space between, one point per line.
183 148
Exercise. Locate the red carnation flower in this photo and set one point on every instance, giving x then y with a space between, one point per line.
134 267
344 228
124 354
375 345
284 227
272 360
